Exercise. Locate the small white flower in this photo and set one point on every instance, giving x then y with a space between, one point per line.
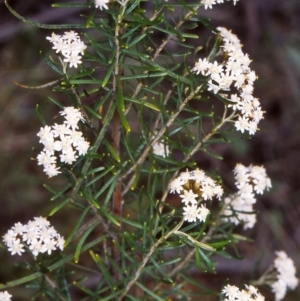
203 213
101 4
190 213
9 237
51 170
16 247
185 176
176 185
208 3
189 197
5 296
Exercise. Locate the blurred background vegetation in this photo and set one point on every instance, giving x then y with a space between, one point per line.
270 32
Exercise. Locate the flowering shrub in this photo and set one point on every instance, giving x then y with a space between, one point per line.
152 109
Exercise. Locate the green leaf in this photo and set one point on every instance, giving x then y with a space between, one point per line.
136 40
40 25
82 240
86 82
51 64
64 5
56 102
101 175
103 269
149 292
76 227
158 266
130 222
91 200
110 217
60 193
59 206
20 280
108 74
96 170
207 261
112 151
132 7
220 244
43 121
189 35
144 103
148 75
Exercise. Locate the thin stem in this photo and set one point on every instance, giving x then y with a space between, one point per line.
146 259
197 146
94 149
55 288
116 129
188 257
173 117
160 48
40 86
86 117
167 97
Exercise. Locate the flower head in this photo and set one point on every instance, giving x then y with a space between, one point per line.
70 46
63 138
249 180
233 293
233 77
286 275
37 235
193 187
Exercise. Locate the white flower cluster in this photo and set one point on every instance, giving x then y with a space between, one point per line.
69 45
5 296
286 275
233 293
234 71
193 185
248 180
210 3
101 3
62 138
37 235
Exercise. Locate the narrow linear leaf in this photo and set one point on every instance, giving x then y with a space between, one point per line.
82 240
43 121
59 206
149 292
76 227
40 25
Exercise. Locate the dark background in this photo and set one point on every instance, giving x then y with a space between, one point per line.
270 32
